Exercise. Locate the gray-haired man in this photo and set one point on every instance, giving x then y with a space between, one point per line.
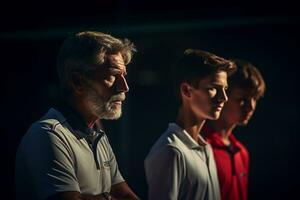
66 155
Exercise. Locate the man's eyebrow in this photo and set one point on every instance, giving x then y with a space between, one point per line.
117 70
219 85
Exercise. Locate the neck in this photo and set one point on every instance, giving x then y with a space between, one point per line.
80 106
190 123
223 128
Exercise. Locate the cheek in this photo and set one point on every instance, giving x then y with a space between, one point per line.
201 98
202 102
105 92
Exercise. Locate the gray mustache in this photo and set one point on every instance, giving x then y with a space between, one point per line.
118 97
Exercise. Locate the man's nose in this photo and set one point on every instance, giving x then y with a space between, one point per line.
122 85
223 96
250 105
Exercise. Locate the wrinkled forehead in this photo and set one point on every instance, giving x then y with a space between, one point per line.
114 64
111 62
115 61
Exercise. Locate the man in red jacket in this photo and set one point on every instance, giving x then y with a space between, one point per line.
246 86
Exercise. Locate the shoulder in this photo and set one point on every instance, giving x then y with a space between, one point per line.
49 128
165 155
167 146
51 121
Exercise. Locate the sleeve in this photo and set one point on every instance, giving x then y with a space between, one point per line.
164 172
115 174
50 164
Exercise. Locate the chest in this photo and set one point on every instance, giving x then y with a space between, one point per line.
92 167
229 164
197 165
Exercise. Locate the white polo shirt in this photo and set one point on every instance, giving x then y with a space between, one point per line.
179 168
55 157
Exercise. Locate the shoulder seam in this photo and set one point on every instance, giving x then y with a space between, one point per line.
54 126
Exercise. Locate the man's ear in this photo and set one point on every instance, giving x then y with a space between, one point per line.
185 90
77 82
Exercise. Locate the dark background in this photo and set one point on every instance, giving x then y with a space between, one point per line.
265 34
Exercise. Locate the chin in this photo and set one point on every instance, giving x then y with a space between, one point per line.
244 122
214 116
111 114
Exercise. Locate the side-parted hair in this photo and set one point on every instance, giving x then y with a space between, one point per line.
196 65
247 77
85 50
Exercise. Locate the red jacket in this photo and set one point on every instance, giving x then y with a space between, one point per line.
232 165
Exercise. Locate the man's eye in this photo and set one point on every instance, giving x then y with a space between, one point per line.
212 91
242 101
111 77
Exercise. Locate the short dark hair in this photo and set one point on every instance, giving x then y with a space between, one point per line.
196 65
247 77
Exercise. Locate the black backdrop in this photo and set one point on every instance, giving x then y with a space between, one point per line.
269 38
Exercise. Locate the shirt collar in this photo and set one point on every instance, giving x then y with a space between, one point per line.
77 123
214 138
186 138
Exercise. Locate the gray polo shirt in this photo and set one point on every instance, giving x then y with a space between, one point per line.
55 157
179 168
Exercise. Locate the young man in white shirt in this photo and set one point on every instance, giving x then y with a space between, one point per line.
180 164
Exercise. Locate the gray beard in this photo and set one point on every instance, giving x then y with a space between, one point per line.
103 109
